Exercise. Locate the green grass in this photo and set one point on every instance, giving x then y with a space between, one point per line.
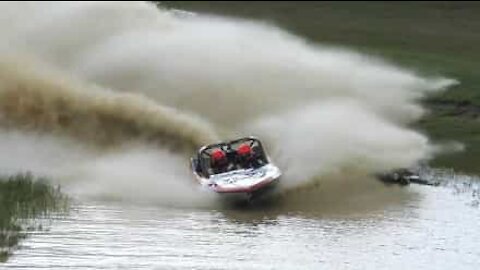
431 38
24 197
467 131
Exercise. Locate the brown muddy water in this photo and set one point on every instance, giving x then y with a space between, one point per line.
385 227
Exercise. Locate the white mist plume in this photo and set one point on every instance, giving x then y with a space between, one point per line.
133 172
249 68
325 109
140 174
337 135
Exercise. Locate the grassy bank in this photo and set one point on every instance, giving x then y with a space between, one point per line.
431 38
24 198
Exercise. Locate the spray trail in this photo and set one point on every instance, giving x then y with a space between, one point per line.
320 110
37 100
95 142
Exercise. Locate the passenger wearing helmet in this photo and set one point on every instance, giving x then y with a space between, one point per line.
219 160
245 157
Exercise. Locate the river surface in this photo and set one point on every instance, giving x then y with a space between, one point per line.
418 227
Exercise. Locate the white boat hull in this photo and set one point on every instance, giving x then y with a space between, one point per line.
243 181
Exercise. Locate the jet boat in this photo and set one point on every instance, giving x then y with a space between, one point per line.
239 167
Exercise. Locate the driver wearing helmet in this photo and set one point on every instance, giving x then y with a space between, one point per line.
220 162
